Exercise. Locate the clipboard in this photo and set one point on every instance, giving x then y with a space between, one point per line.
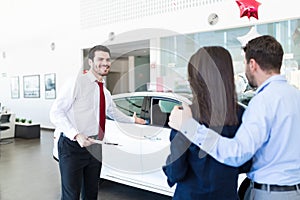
106 143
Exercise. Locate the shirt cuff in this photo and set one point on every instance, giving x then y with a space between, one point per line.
189 129
210 142
71 134
132 120
201 136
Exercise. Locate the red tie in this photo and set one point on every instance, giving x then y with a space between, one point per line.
102 114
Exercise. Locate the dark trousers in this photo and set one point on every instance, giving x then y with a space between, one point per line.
79 169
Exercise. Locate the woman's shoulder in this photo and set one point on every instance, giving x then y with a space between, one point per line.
230 130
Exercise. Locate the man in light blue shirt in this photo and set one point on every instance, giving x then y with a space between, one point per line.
269 133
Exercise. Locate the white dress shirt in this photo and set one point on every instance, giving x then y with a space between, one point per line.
76 108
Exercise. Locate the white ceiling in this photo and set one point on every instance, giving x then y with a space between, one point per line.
26 20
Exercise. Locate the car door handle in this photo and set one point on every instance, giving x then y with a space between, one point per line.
152 138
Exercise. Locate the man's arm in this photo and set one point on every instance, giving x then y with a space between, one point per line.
230 151
60 107
114 113
58 114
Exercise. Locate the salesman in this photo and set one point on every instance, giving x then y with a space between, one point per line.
79 114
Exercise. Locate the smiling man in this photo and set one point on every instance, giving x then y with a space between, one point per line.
79 114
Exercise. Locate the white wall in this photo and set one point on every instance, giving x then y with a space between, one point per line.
26 36
37 60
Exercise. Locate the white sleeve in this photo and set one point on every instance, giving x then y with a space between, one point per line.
60 109
231 151
114 113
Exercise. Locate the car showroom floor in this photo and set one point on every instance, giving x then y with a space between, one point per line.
28 172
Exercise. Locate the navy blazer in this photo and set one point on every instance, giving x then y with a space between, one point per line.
197 174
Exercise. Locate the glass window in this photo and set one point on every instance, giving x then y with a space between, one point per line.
161 109
177 50
166 106
129 105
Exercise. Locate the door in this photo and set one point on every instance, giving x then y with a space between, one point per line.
155 144
123 160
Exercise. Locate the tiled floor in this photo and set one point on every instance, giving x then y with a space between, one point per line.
28 172
27 169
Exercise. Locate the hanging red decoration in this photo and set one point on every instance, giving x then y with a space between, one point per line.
248 8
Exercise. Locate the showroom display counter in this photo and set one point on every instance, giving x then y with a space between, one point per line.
28 131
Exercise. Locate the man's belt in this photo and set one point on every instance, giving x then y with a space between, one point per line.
277 188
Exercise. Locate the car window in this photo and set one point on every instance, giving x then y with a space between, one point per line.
245 97
129 105
167 106
161 109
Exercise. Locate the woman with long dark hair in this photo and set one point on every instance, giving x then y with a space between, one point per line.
198 175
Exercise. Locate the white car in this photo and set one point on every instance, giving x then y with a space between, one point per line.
136 153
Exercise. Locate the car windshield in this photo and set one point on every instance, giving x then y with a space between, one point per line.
246 96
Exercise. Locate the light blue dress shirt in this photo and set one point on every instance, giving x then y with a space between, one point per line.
270 134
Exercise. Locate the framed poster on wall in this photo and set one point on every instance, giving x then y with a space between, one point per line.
31 86
50 86
14 87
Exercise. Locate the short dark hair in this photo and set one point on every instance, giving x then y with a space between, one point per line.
266 51
97 48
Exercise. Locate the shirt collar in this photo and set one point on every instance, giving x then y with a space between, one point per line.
92 77
268 81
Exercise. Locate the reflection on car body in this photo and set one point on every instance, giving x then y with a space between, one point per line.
138 162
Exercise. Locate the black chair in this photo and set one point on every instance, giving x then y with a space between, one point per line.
3 120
